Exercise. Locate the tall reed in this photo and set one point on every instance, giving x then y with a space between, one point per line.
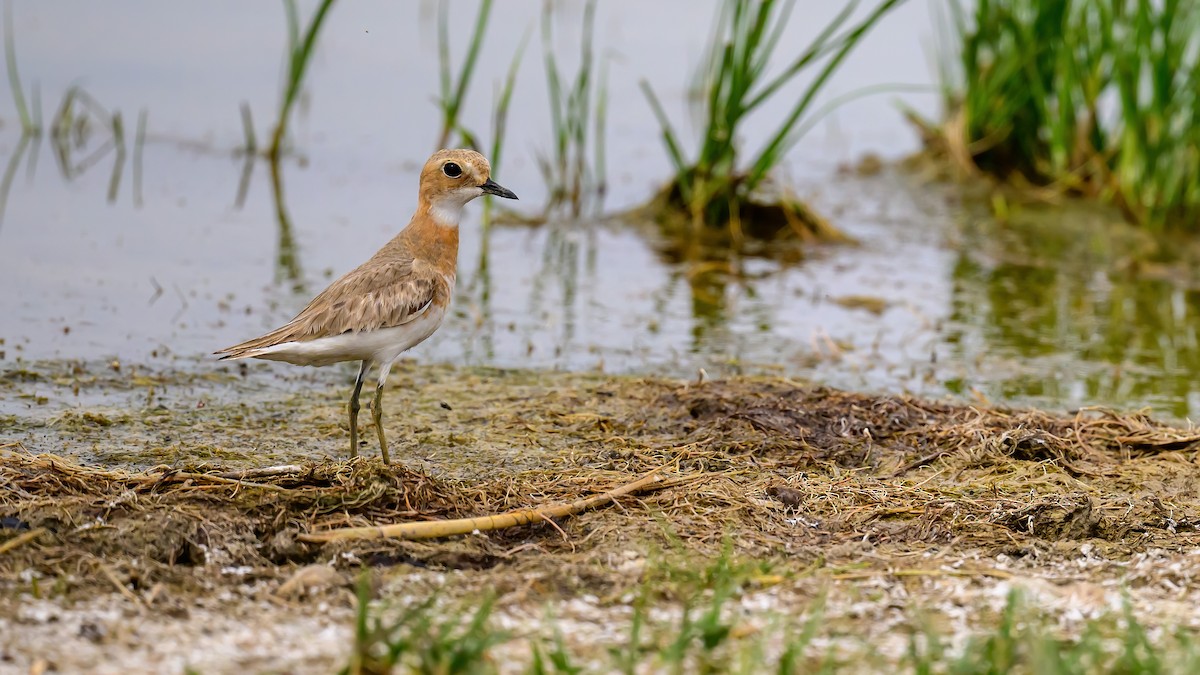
500 124
300 51
479 288
31 122
1093 98
454 87
713 183
575 170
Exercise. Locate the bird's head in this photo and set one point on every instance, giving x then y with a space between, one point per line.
451 178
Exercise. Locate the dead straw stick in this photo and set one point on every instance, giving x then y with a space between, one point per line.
436 529
179 476
20 539
262 472
121 587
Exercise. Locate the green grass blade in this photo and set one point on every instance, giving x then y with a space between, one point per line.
816 116
468 67
500 118
772 153
292 24
453 90
554 89
28 126
444 81
669 138
300 57
601 168
815 51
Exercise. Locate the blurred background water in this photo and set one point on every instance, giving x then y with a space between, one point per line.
165 255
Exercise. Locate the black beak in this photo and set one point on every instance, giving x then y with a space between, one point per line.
492 188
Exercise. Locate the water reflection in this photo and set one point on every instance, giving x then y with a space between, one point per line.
75 125
287 258
707 286
558 277
1081 312
568 263
14 162
83 133
249 155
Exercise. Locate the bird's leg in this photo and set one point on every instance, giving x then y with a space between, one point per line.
377 413
377 410
362 373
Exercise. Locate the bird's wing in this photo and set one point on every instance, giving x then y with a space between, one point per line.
372 296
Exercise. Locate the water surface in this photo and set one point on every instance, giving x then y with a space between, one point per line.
167 266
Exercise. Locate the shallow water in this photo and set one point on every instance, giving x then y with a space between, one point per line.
165 268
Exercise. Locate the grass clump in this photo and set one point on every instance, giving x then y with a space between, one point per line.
79 120
707 637
715 185
421 638
1089 98
1023 640
686 618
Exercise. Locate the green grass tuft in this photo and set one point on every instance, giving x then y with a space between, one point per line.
713 634
422 638
1092 98
735 82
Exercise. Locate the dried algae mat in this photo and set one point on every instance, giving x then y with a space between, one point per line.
774 467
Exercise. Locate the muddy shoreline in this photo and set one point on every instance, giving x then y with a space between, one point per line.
122 507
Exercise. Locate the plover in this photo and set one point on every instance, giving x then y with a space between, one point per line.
393 301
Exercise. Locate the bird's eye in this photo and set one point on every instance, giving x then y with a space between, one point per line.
452 170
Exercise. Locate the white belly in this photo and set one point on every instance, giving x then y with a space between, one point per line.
379 346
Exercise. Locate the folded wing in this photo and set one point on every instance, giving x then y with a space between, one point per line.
373 296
